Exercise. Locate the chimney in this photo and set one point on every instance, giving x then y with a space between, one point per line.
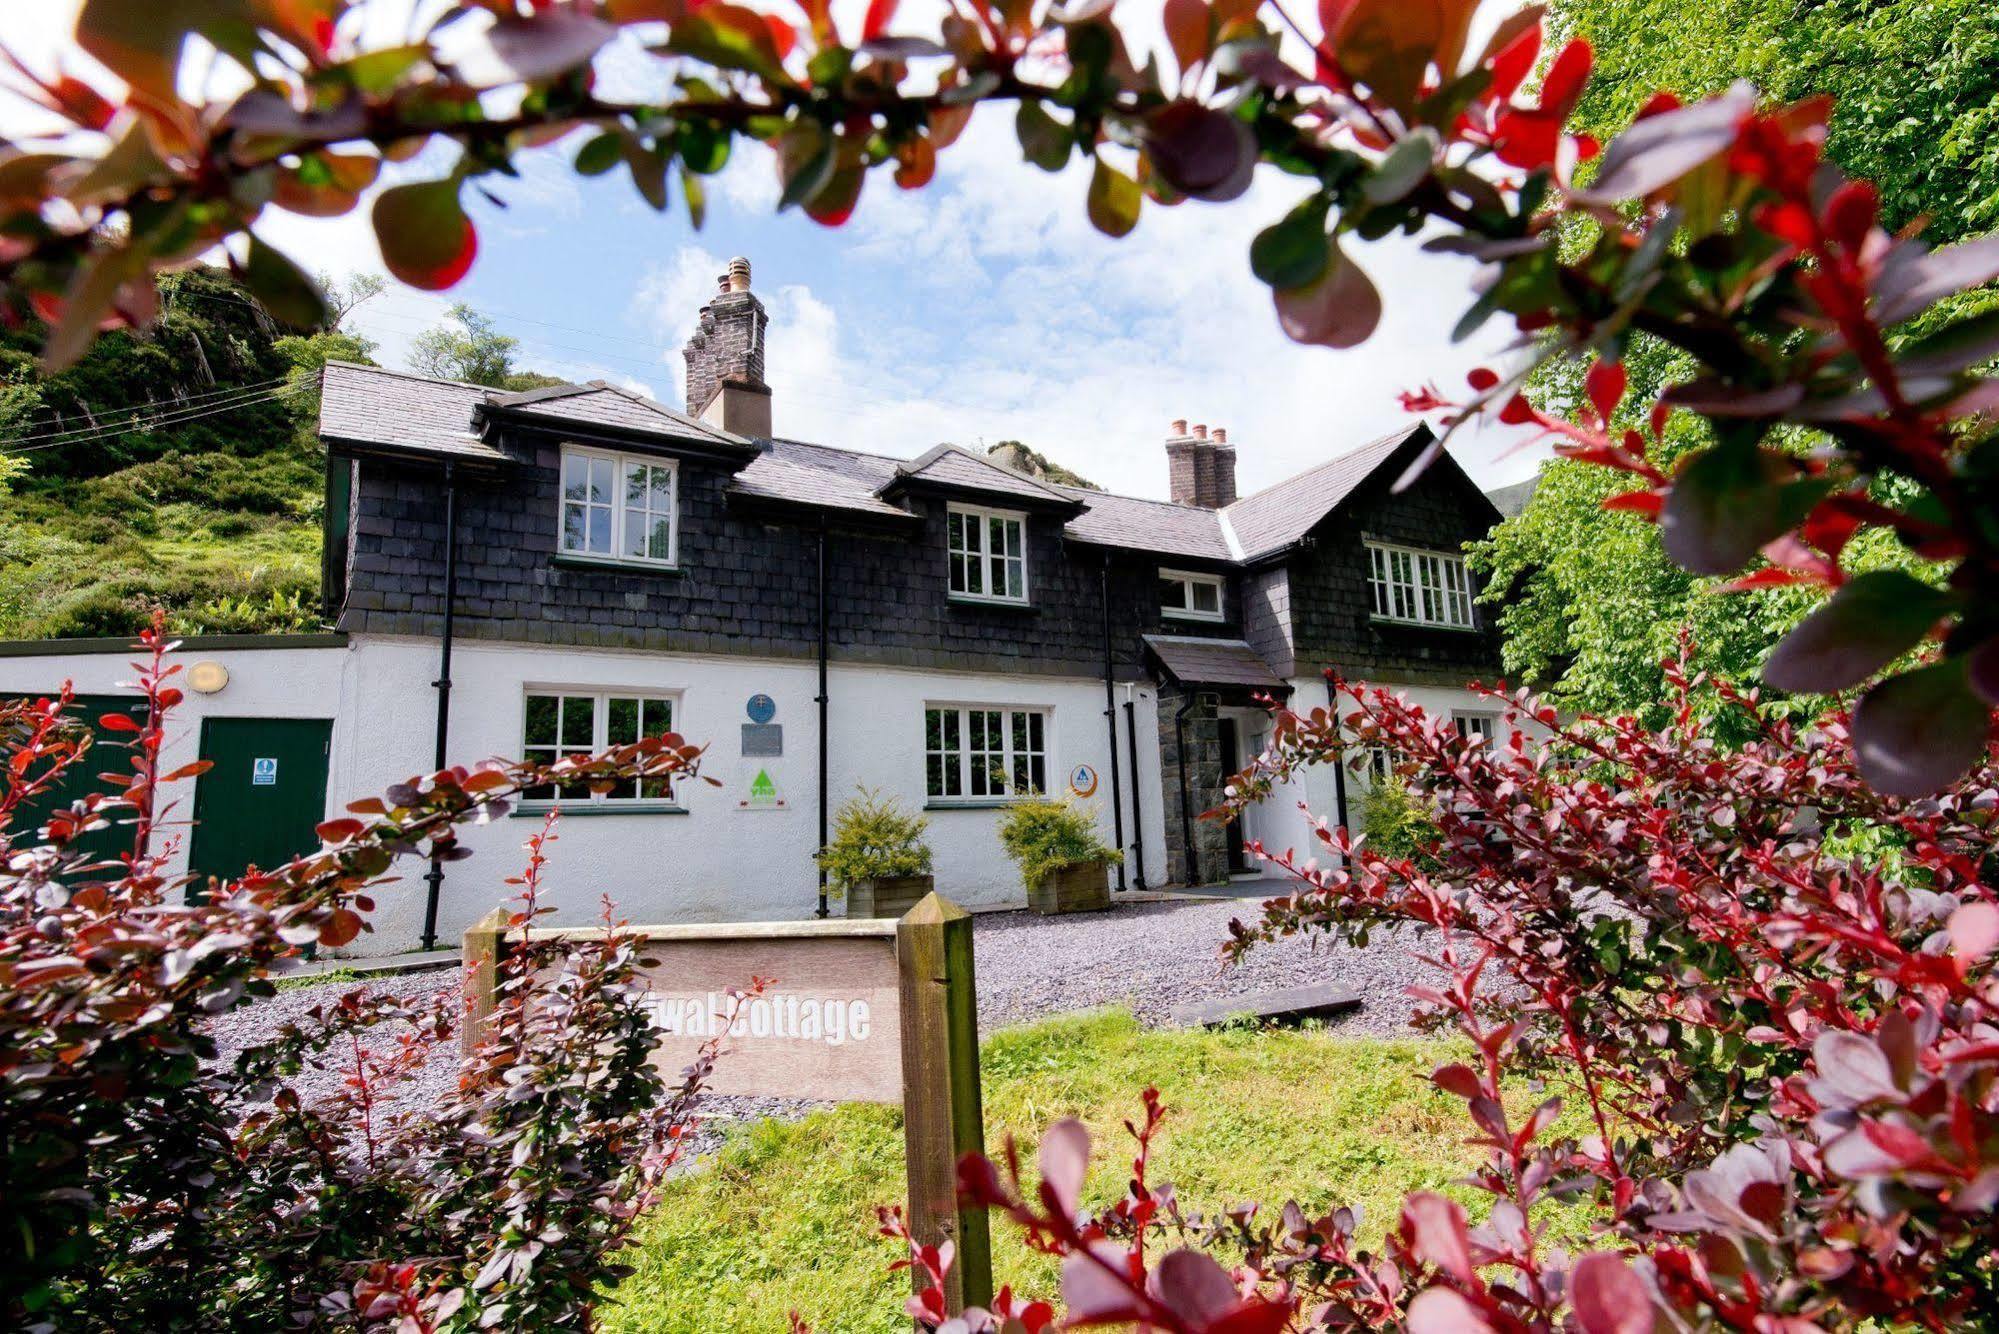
725 357
1200 465
1224 493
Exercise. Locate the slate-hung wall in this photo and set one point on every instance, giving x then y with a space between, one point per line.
744 584
1331 605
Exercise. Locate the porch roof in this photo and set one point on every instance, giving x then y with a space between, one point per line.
1227 664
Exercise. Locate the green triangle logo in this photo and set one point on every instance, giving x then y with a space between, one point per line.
761 788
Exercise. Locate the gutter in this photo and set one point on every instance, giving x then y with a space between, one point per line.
1339 760
1137 824
824 700
1110 724
435 876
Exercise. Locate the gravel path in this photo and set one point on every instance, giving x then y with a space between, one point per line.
1148 956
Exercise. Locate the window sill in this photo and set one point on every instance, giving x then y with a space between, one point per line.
1192 618
538 809
570 560
974 804
997 604
1402 624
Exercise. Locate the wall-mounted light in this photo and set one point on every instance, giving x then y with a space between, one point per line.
207 677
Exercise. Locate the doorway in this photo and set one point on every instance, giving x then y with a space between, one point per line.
1231 747
263 796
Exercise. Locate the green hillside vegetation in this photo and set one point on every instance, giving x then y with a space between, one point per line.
178 468
175 469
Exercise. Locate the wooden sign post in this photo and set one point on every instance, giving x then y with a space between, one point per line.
859 1010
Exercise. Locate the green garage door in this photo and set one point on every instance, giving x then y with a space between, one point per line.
109 753
263 795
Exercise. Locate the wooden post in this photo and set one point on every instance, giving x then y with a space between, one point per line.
481 955
942 1116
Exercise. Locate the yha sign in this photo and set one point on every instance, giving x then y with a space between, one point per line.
855 1010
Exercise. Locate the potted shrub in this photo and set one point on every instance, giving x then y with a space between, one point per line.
1061 858
877 858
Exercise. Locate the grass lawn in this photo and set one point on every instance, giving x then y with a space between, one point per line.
784 1217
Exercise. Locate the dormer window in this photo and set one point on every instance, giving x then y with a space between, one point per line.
1420 587
987 554
1185 596
619 507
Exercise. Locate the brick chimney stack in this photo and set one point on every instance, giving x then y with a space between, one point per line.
1200 465
725 357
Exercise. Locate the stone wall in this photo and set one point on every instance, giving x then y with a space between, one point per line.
1202 763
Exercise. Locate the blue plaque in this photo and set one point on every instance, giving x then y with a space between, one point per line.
762 708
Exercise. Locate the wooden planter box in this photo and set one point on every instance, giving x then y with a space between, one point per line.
1084 887
889 896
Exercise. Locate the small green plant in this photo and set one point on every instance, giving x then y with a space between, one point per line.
1396 824
874 838
1042 835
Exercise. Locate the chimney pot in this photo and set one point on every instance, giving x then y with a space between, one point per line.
1221 436
725 357
1179 428
1201 432
739 274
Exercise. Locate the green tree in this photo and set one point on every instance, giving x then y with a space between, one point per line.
1588 601
470 347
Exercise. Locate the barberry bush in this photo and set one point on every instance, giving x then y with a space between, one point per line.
1769 989
147 1185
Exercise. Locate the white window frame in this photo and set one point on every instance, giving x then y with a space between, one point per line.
959 761
600 728
1470 723
983 518
619 462
1415 586
1187 611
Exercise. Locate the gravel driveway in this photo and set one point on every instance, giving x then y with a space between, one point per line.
1149 956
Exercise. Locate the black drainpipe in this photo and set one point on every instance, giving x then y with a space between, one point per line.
1186 799
823 699
435 876
1110 723
1137 824
1339 756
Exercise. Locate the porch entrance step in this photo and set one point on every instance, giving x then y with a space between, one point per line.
1315 1000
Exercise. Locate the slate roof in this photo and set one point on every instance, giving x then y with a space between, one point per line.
948 465
366 405
1158 526
1279 515
371 407
1214 662
601 404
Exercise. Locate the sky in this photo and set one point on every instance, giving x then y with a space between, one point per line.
982 308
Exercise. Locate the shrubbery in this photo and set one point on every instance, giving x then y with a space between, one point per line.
146 1186
874 838
1043 836
1395 824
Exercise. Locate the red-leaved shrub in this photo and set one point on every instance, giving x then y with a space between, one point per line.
1771 988
145 1185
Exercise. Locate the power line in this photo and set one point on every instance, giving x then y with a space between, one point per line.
153 411
273 395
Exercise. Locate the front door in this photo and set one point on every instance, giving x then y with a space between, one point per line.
263 796
1231 747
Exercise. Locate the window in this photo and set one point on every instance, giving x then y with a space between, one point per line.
1479 727
988 554
1190 597
619 507
561 723
1421 587
977 753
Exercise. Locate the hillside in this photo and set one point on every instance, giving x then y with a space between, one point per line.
176 470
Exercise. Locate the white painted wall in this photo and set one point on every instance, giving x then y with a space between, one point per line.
716 862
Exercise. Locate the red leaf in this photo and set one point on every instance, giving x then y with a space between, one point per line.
426 239
881 13
118 722
1566 77
1607 1297
1442 1311
1065 1159
339 831
340 928
1434 1228
1515 62
1605 383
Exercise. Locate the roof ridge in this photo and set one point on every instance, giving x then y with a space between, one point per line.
410 375
1399 437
